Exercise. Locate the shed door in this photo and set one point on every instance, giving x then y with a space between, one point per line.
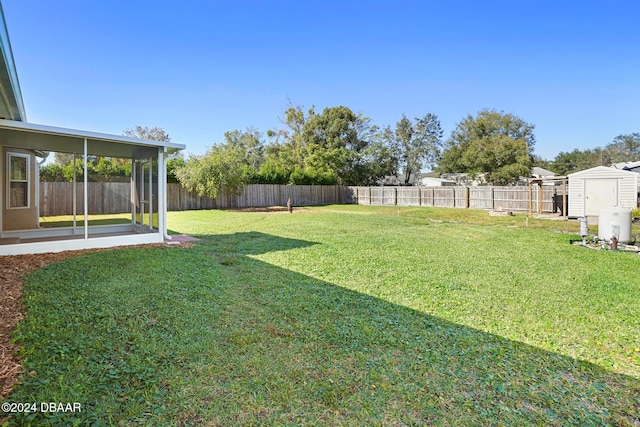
599 194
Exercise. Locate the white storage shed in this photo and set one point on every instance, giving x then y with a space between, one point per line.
599 188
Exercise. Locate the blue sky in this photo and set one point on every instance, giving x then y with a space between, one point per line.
200 68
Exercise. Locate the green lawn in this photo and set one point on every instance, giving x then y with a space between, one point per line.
341 315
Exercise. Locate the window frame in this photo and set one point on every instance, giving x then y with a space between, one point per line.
10 155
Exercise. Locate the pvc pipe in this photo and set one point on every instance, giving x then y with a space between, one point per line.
86 193
40 163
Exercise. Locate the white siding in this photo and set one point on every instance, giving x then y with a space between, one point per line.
576 197
628 191
627 188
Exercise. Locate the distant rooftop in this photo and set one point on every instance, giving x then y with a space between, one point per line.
627 165
539 172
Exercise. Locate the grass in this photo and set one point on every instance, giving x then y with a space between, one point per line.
342 316
101 219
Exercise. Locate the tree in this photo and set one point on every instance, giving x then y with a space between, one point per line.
143 132
415 145
336 145
62 159
375 158
52 172
331 142
494 143
287 148
228 166
537 160
172 166
250 144
577 160
624 148
108 168
220 168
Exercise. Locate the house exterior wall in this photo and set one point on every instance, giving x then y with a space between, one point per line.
437 182
18 218
626 182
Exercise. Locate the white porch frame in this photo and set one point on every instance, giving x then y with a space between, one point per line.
47 138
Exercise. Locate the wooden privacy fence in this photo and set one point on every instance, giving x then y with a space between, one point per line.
56 198
256 195
259 195
508 198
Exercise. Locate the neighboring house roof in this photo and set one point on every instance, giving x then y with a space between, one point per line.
455 175
431 181
11 104
462 178
397 180
49 138
630 166
538 172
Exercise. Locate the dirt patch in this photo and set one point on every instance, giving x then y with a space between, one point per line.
12 268
272 209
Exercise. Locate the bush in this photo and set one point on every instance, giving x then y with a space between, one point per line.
273 174
52 173
312 177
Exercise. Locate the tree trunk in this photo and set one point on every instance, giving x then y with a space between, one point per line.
407 175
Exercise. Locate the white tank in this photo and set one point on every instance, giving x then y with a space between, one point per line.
615 222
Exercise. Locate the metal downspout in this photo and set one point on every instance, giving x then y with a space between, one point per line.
40 163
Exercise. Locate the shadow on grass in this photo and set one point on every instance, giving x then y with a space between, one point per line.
212 335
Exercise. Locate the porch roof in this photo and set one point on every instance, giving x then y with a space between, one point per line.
37 137
11 104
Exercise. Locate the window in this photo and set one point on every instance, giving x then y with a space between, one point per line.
18 171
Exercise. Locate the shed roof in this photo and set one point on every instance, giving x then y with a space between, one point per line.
613 172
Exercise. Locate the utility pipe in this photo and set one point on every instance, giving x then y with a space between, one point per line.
86 193
74 196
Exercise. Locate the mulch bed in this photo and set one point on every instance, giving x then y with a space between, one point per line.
12 268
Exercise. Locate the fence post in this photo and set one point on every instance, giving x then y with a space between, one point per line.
467 197
44 199
564 199
493 198
540 197
395 196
